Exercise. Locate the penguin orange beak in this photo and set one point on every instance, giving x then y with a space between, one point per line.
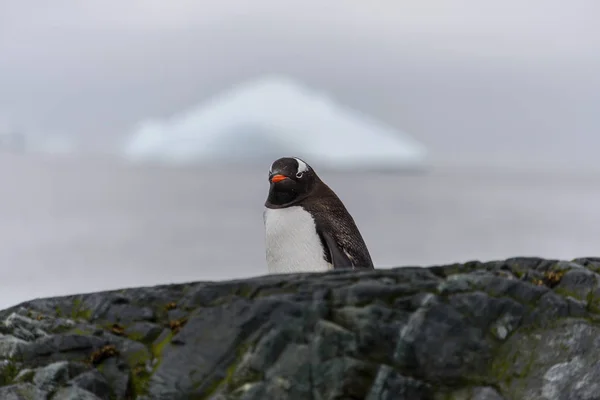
278 178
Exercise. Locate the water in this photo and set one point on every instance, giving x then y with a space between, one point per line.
72 226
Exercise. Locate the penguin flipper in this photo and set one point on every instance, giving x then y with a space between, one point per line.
339 258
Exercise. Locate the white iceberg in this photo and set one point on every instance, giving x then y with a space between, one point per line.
260 121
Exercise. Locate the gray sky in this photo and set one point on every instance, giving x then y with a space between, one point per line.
465 77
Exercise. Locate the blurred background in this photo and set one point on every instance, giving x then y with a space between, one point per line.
136 136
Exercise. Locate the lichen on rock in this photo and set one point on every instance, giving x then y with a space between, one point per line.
521 328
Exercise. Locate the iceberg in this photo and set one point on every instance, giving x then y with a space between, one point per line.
272 117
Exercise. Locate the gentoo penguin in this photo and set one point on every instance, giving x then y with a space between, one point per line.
307 227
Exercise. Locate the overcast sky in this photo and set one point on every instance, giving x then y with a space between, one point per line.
518 77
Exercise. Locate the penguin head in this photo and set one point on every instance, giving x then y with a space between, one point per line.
291 180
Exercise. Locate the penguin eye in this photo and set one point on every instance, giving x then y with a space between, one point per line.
299 175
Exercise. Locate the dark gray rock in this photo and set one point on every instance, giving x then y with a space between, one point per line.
49 349
74 393
391 385
477 393
145 332
578 283
486 393
522 328
128 313
94 382
22 391
55 375
118 375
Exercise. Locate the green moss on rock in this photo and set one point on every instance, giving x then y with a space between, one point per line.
8 372
78 311
139 380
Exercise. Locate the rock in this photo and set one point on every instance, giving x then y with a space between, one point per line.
128 313
521 328
60 347
477 393
94 382
486 393
22 391
578 283
24 376
145 332
390 385
74 393
118 376
23 327
54 375
11 346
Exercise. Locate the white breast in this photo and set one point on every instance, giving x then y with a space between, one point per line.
292 242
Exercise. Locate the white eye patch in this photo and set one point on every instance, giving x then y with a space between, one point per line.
302 167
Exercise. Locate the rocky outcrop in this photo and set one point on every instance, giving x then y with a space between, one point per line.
522 328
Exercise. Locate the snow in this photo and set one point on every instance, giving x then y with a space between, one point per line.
270 118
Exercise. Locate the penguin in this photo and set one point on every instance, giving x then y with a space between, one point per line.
307 227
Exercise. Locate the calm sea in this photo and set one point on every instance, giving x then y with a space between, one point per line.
70 226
